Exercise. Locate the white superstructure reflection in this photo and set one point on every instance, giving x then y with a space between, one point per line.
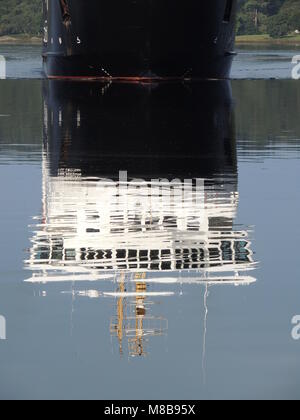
144 237
134 241
93 228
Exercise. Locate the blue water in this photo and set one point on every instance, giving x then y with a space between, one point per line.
254 62
200 338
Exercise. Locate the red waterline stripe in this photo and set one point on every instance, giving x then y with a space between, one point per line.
124 79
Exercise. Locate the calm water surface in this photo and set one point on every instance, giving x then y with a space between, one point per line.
252 61
177 279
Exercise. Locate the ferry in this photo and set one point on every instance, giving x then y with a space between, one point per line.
142 40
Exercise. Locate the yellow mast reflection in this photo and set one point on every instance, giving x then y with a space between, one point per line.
137 326
117 327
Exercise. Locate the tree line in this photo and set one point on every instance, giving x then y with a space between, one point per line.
20 17
274 17
277 18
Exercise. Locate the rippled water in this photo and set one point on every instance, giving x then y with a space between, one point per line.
149 240
264 62
252 61
22 61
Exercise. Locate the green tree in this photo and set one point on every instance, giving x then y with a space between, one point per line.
20 17
276 17
278 26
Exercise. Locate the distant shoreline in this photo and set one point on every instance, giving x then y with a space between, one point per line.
20 40
292 40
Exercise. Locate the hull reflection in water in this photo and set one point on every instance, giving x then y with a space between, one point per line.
139 189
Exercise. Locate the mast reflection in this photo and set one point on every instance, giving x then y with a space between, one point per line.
139 189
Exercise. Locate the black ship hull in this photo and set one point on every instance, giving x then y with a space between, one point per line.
139 40
163 131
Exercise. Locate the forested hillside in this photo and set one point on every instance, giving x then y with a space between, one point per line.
20 17
275 17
